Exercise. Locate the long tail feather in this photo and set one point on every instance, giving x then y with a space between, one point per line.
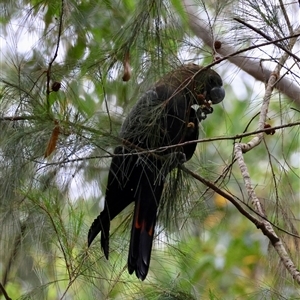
143 225
101 223
119 194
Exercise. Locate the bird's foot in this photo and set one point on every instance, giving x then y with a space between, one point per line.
203 111
191 125
205 107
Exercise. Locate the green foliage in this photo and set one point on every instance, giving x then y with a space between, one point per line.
205 248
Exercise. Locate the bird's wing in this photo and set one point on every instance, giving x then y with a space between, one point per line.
166 125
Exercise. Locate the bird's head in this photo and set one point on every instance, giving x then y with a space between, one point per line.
208 87
208 90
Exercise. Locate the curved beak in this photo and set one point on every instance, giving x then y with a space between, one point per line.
217 94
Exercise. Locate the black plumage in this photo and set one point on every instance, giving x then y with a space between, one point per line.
168 114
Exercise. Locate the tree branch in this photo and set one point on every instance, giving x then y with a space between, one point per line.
252 67
55 52
4 293
268 229
264 225
241 148
283 84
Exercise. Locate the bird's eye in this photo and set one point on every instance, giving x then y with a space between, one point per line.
214 81
211 80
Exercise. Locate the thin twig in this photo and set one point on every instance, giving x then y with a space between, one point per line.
161 149
227 196
241 148
106 102
250 66
230 198
4 293
275 76
275 42
58 237
286 17
268 229
55 52
263 225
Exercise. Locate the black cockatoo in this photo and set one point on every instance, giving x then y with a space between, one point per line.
168 114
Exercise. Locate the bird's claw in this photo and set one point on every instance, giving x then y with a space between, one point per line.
191 125
203 111
204 107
